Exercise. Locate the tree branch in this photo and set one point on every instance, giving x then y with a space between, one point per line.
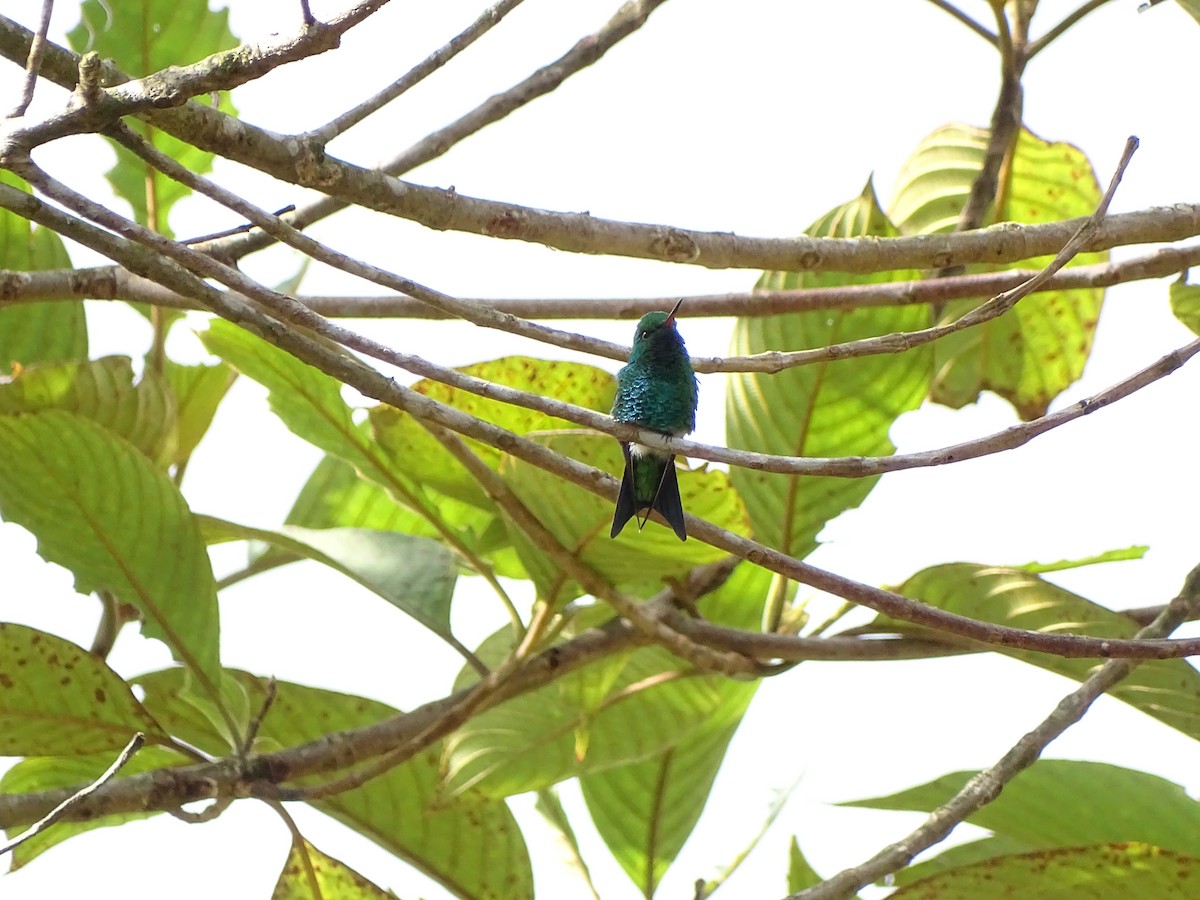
298 163
117 283
987 785
370 383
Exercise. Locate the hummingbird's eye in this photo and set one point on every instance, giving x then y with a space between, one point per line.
643 334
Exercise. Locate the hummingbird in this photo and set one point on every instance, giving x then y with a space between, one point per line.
656 390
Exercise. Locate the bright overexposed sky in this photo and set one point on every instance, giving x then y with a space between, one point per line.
754 117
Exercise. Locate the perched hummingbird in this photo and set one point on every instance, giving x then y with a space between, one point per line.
656 390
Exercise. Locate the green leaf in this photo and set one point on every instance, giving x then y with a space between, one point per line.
336 497
44 773
838 408
308 870
1032 353
58 699
1062 803
1137 551
469 843
551 808
103 391
199 390
310 404
646 810
1192 7
1105 872
800 874
421 457
621 710
100 509
414 574
1163 688
1185 303
144 38
36 332
580 520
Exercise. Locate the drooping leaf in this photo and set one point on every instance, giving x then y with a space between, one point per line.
580 520
1032 353
414 574
551 808
646 810
143 38
58 699
308 869
44 773
199 390
102 390
1163 688
624 709
100 509
838 408
468 842
335 496
310 405
36 332
1100 872
1061 803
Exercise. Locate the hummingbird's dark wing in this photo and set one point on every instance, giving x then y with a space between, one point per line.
667 501
626 501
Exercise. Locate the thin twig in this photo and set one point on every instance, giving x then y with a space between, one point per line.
587 51
76 799
987 785
1040 44
34 61
957 13
347 120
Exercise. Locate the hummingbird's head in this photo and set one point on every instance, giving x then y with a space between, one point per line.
653 329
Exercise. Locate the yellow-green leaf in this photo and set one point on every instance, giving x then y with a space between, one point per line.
1033 352
837 408
100 509
309 874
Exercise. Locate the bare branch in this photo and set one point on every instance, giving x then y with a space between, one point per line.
372 384
347 120
117 283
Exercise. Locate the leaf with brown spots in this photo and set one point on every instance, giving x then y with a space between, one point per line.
102 510
309 874
468 842
1117 871
1033 352
1058 803
58 699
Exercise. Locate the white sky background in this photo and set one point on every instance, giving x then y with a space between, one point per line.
754 117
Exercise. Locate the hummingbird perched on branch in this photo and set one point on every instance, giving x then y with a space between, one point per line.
655 390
